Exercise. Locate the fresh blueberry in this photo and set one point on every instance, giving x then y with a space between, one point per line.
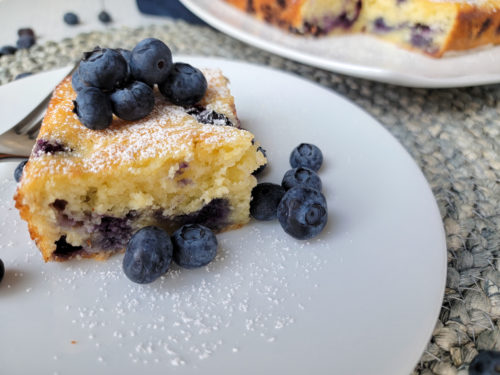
301 176
22 75
306 155
93 108
151 61
302 212
7 50
185 85
127 55
104 17
71 18
148 255
76 82
103 68
18 172
2 270
262 167
25 41
265 199
26 31
487 362
194 246
133 102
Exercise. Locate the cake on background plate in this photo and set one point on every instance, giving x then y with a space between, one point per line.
84 192
429 26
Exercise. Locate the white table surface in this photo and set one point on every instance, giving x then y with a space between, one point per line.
45 17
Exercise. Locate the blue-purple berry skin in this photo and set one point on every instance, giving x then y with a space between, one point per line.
185 85
301 176
25 41
7 50
76 82
151 61
133 102
148 255
487 362
23 75
18 172
2 270
93 108
194 246
306 155
104 68
104 17
71 19
302 212
266 197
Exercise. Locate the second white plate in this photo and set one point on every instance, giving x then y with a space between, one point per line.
356 55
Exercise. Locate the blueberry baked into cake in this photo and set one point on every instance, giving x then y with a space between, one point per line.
84 192
429 26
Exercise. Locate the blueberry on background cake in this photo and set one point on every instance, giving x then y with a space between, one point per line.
86 194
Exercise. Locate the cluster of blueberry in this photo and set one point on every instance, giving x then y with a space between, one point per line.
120 81
25 39
72 19
297 203
151 250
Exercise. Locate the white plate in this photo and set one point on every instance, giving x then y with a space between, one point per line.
356 55
362 298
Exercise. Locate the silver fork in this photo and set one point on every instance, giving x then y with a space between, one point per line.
18 141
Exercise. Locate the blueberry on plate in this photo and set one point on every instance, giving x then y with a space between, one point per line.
103 68
302 212
71 18
26 31
265 200
76 82
22 75
18 172
301 176
487 362
185 85
133 102
2 270
25 41
306 155
194 246
104 17
151 61
93 108
262 167
7 50
148 255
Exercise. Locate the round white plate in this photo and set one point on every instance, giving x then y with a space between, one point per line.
356 55
362 298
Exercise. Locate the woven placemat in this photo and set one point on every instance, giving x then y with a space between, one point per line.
453 134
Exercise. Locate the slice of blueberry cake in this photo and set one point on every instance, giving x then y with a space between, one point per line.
84 192
429 26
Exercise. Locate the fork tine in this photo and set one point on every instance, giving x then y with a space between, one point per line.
33 132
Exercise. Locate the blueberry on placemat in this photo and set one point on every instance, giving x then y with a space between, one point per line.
133 102
18 172
7 50
185 85
93 108
265 200
104 17
22 75
487 362
301 176
104 68
151 61
302 212
26 31
71 18
306 155
148 255
194 246
25 41
2 270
